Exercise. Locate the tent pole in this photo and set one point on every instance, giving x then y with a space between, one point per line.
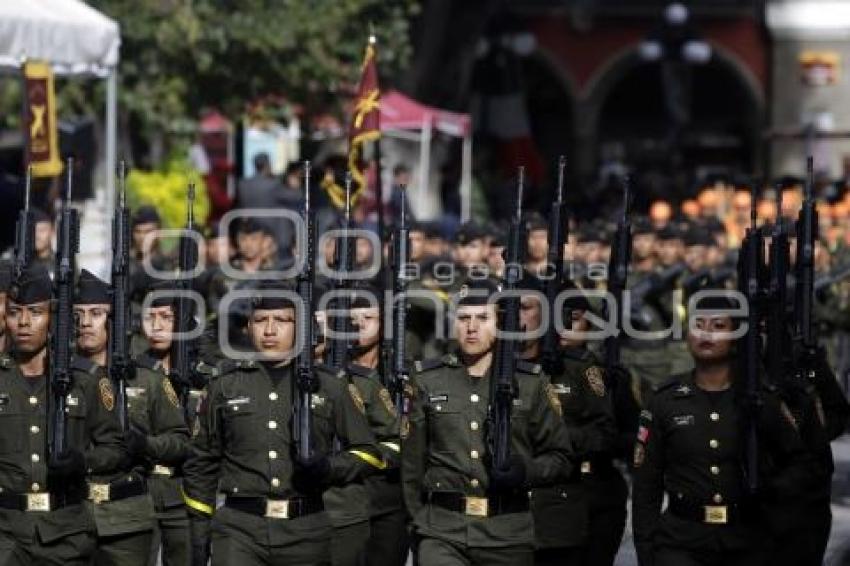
466 179
111 136
424 155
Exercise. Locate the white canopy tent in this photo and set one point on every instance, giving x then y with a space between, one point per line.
76 40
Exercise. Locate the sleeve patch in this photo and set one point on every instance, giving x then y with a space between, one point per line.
595 380
387 401
357 398
554 401
170 393
107 396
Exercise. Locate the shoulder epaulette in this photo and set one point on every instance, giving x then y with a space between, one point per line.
429 364
362 371
147 362
84 365
528 367
226 366
678 384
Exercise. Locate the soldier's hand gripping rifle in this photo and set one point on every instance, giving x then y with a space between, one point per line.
24 233
502 386
180 373
618 273
120 364
62 324
305 382
778 344
394 348
339 326
550 353
750 278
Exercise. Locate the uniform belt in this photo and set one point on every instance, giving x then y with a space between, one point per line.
116 490
38 501
162 471
276 508
709 514
479 506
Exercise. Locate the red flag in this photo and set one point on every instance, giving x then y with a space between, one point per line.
365 124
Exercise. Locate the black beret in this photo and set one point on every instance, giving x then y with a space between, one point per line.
91 290
145 215
588 233
468 232
720 299
269 296
32 286
641 225
498 236
535 221
5 276
166 290
364 296
576 301
39 215
250 226
476 292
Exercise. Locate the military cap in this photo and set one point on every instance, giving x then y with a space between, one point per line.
274 300
364 296
5 276
38 215
145 215
498 237
249 226
535 221
576 301
32 286
588 233
720 299
476 292
530 282
641 225
91 290
166 298
468 232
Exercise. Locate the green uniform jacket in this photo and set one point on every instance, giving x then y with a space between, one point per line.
445 448
689 446
92 428
561 511
244 445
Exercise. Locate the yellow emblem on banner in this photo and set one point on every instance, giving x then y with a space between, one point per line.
107 396
40 128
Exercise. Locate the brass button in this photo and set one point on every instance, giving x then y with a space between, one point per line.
272 425
35 458
474 454
34 429
273 396
275 482
717 498
474 398
235 408
715 470
713 443
272 455
473 425
438 408
474 482
33 400
714 416
35 487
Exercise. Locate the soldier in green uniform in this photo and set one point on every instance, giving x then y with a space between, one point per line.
464 510
388 540
579 521
42 519
273 511
159 440
5 283
690 446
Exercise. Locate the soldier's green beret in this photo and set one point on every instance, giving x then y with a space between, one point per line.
91 290
33 286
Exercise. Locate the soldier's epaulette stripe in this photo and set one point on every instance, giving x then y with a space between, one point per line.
394 446
427 365
83 364
528 367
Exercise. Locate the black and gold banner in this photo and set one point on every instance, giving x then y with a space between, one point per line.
40 129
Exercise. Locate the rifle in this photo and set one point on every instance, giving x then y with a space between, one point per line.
807 224
750 275
707 277
305 382
649 288
337 353
396 363
119 362
24 233
180 373
550 351
618 273
777 345
502 387
62 330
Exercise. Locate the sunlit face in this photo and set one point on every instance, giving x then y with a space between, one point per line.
3 298
28 325
158 326
643 245
92 334
475 328
417 245
538 243
43 237
272 332
496 259
695 257
140 236
706 345
473 253
249 244
669 251
219 250
362 251
530 313
368 324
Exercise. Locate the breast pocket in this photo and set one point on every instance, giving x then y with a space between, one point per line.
240 426
75 412
137 406
445 425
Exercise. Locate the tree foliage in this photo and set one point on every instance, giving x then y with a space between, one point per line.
179 56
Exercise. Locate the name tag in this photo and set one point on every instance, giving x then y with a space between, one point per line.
316 401
72 401
517 402
438 398
561 389
683 420
5 399
135 391
238 401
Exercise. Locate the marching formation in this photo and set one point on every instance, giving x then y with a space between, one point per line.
353 400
